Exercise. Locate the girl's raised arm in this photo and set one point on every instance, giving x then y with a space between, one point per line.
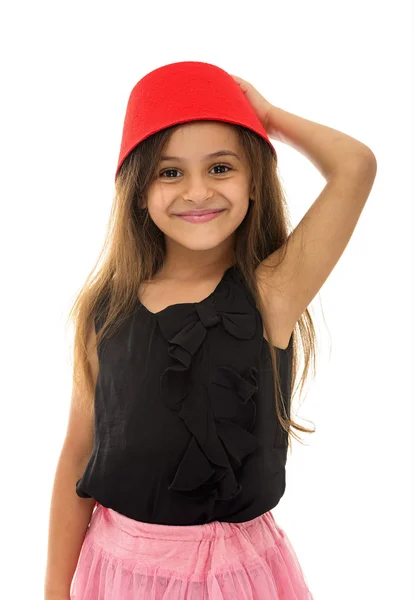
316 244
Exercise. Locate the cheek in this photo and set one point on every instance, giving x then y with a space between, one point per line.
159 217
159 208
239 210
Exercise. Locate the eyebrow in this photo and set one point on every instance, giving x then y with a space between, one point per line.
205 157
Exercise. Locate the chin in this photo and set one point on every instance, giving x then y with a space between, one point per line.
197 244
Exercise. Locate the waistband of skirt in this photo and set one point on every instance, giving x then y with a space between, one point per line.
204 531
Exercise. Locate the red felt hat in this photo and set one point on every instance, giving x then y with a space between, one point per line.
181 92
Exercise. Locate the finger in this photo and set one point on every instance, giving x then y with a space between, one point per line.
243 84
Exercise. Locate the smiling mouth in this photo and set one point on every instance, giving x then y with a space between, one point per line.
199 212
201 217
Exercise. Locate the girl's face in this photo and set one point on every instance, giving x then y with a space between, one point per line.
192 181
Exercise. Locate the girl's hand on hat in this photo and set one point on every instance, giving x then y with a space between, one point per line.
261 106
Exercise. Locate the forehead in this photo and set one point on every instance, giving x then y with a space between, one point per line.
202 137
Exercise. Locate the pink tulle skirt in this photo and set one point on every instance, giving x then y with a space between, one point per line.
125 559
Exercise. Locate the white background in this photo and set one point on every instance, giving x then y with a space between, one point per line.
67 71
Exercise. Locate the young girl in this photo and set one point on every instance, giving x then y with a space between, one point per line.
185 348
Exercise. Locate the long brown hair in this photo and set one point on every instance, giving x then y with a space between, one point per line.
134 251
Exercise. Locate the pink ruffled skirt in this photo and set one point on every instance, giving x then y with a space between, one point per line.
125 559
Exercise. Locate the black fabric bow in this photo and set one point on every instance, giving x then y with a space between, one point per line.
221 421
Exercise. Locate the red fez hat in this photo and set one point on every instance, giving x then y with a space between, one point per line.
181 92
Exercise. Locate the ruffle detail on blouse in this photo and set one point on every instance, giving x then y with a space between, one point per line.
220 424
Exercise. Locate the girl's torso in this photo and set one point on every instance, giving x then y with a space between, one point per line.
186 430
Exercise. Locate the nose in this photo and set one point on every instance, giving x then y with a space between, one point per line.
197 187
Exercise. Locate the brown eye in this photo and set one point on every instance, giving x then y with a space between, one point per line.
171 170
225 166
167 171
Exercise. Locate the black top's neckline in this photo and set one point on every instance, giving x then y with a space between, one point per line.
223 277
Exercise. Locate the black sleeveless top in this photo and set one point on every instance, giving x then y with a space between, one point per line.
186 430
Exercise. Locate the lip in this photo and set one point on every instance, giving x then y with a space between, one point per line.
205 211
202 216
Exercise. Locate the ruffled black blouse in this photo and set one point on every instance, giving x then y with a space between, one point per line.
186 430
